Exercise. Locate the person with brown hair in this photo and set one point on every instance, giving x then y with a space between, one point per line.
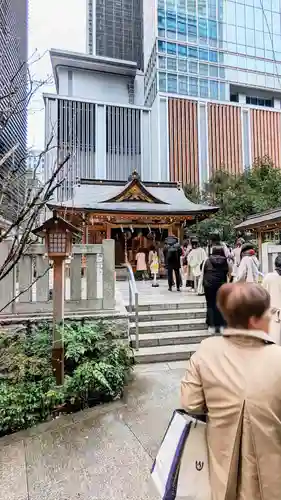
235 379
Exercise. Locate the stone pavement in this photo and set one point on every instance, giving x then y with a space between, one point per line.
150 295
103 453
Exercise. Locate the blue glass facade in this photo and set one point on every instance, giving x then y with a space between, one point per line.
205 46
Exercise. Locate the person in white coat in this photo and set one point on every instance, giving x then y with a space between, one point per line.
237 257
272 283
195 259
248 270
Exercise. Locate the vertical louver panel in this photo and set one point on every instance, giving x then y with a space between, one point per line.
225 138
265 132
123 142
76 136
183 141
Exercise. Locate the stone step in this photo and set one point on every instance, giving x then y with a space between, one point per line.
168 325
166 353
169 314
170 338
194 304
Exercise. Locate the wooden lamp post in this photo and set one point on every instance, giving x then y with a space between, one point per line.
58 236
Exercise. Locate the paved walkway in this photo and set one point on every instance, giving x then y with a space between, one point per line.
160 295
100 454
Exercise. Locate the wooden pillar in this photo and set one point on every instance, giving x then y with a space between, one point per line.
84 234
58 319
108 231
181 233
260 243
84 241
170 230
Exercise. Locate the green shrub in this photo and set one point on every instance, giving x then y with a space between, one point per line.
25 358
100 362
97 367
25 404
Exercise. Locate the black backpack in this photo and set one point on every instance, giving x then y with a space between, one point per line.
172 252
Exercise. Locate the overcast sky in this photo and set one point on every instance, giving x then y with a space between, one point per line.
53 24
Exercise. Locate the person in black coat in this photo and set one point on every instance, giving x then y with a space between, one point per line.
172 254
215 273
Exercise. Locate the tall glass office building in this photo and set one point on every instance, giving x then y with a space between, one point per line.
209 48
213 75
13 97
114 29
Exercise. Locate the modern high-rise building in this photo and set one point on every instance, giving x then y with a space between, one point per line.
35 162
115 29
216 49
13 102
212 78
210 96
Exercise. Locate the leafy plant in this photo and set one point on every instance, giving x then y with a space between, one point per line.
25 404
81 340
21 359
98 367
101 361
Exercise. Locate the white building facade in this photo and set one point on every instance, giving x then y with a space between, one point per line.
97 119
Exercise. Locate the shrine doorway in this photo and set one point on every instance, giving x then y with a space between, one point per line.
128 241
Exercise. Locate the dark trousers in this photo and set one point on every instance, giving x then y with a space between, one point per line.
171 278
214 317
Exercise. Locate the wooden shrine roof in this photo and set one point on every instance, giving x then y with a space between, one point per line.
265 221
134 196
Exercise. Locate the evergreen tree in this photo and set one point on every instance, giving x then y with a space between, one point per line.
238 196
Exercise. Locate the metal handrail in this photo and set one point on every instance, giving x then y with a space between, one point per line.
133 292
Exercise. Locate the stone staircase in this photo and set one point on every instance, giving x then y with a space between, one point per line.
168 332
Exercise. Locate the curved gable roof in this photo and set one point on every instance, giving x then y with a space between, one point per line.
137 192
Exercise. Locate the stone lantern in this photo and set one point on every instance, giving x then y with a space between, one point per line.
58 236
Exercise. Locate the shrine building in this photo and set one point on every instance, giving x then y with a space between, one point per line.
135 214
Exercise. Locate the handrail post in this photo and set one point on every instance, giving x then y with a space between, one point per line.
133 292
137 320
130 295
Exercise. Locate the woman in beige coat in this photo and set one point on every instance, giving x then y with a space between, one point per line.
272 283
236 379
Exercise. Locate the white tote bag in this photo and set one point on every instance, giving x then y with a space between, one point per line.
181 468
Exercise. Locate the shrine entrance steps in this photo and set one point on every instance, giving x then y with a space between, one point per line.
169 331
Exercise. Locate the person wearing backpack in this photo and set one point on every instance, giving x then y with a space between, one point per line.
172 253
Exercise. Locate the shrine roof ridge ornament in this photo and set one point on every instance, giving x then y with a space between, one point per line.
134 175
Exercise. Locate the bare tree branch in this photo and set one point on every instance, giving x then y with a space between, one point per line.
22 198
26 289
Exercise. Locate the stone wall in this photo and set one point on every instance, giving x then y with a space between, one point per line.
121 322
